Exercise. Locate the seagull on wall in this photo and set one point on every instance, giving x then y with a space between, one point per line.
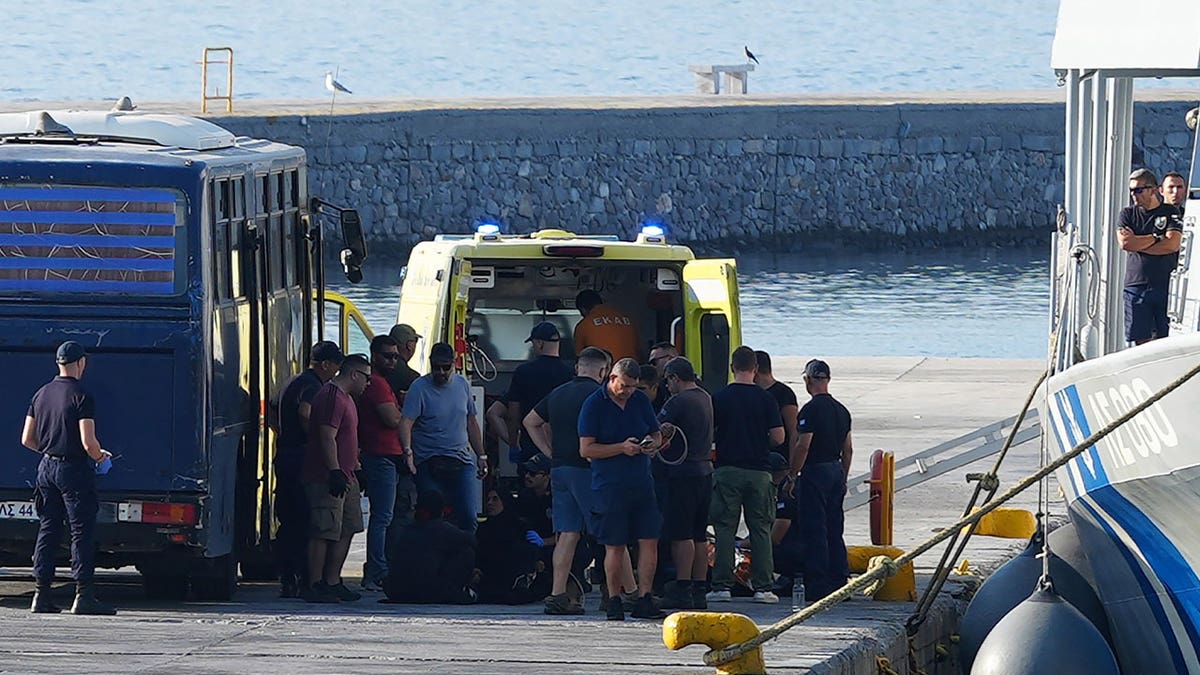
333 85
749 54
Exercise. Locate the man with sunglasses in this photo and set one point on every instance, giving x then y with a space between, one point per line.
439 424
330 483
1150 231
387 466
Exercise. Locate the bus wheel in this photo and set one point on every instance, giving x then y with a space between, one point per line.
215 579
162 586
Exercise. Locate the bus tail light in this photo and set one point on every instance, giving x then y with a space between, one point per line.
159 513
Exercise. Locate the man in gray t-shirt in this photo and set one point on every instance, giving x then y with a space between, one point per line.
439 422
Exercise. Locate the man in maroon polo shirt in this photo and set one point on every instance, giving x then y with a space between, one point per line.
329 482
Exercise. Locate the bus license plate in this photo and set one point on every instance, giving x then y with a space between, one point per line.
18 511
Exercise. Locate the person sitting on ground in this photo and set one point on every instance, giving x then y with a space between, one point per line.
534 503
605 327
786 541
512 567
431 561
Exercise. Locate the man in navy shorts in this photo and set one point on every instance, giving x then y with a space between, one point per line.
617 430
553 427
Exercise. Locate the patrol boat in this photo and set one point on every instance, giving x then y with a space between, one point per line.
1134 495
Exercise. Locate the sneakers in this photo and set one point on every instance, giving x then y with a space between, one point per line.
698 597
288 588
346 595
614 610
562 605
646 609
86 603
629 601
766 597
371 586
320 593
719 596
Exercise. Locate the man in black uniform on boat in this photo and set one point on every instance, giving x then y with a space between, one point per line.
822 461
1150 231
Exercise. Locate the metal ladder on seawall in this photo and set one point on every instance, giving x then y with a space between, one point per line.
953 454
206 60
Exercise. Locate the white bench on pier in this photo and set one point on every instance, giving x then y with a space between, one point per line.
709 78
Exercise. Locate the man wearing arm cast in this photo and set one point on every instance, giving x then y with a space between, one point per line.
1150 232
61 425
822 462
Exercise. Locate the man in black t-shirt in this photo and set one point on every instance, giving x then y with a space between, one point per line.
746 425
552 426
789 407
291 504
531 382
1150 231
61 425
823 454
687 426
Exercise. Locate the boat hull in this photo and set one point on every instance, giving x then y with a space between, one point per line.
1135 495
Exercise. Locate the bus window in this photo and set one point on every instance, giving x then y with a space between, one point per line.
291 223
92 240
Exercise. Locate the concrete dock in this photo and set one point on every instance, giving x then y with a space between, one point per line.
900 404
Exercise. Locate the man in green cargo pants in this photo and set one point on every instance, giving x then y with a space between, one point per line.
746 425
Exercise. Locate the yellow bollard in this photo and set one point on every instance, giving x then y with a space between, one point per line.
715 630
1007 523
902 587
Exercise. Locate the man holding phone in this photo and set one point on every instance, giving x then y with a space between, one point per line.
618 431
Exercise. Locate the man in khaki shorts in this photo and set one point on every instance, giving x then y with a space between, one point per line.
329 483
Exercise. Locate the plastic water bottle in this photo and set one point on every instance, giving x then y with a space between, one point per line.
798 594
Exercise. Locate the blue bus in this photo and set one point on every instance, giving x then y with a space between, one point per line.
188 262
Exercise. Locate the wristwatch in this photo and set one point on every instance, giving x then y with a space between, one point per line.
1157 237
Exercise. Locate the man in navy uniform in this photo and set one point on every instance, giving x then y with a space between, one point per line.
822 462
61 425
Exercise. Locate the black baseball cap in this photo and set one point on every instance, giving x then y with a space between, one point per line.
544 331
539 463
327 351
817 370
441 352
69 352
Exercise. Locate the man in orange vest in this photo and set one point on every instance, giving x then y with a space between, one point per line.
604 327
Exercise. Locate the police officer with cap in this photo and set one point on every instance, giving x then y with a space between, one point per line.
822 462
61 425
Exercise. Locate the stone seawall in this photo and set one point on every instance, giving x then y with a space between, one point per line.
788 174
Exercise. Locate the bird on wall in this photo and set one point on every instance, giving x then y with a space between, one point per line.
749 54
333 85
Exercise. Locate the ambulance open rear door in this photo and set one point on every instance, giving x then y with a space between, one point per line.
712 319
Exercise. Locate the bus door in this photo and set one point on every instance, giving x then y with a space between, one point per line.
712 320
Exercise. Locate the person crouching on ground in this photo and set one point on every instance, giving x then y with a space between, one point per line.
617 428
431 561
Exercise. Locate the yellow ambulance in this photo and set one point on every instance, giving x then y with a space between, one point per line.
483 292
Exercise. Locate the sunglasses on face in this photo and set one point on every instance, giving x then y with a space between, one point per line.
1139 190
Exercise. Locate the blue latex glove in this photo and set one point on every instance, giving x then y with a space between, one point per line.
103 467
534 538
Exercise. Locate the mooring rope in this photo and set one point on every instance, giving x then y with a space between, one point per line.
880 567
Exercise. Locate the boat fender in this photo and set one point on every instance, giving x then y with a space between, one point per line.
1005 588
1030 640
